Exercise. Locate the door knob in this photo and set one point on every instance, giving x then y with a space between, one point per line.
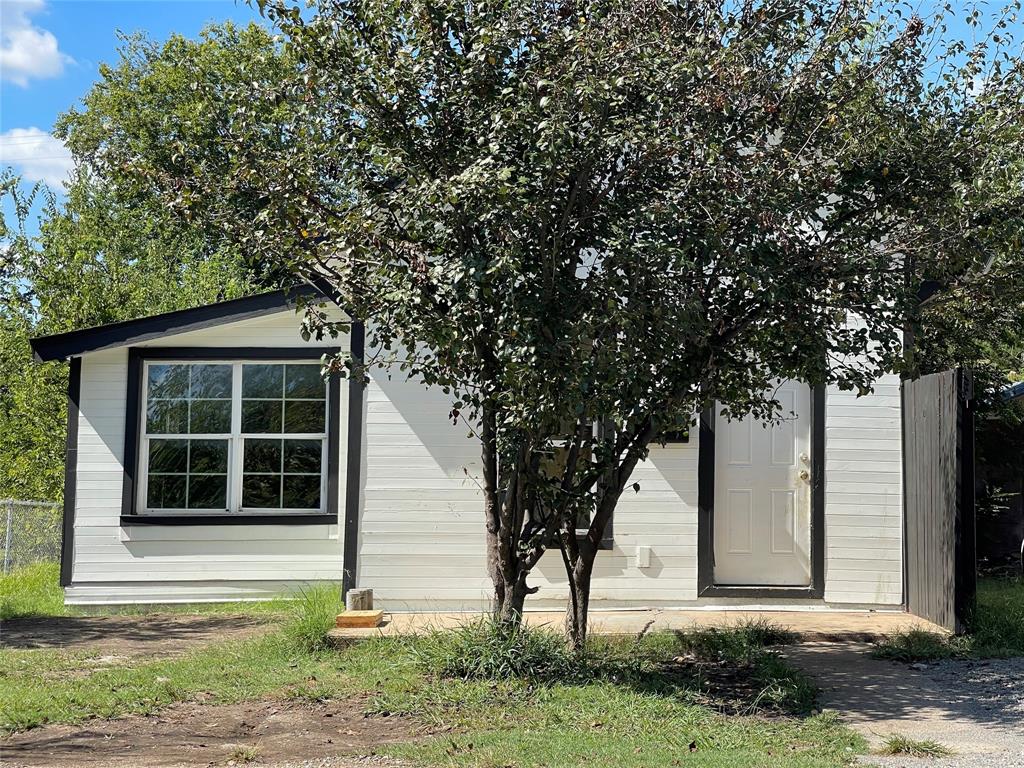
805 475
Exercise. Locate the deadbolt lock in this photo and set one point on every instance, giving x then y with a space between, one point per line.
805 458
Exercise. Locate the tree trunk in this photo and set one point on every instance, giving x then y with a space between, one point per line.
492 511
510 613
576 613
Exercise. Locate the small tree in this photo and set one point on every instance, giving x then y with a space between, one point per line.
587 220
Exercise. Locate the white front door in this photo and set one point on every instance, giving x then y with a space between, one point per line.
763 496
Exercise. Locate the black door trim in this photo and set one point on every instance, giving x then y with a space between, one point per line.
354 468
706 586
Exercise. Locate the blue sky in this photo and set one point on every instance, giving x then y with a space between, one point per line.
50 52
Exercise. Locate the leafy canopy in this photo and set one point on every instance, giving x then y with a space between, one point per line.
569 213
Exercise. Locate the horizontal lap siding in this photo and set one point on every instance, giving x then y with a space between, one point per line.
422 528
864 496
158 563
421 533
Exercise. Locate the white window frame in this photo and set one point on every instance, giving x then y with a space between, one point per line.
236 442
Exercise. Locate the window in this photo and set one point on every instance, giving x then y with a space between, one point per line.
232 438
553 464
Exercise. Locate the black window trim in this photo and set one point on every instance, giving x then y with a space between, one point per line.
137 356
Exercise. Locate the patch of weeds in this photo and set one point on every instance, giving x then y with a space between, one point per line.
996 630
737 670
312 615
308 690
917 645
486 650
901 745
739 642
245 753
786 689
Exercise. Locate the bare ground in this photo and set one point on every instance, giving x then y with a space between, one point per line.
293 733
156 634
976 708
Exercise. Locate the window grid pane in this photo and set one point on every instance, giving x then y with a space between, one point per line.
284 400
196 401
282 473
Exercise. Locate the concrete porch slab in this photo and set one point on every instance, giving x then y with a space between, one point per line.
833 625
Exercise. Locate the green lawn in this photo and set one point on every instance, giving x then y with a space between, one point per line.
627 715
522 703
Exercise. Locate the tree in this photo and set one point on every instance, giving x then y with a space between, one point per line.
95 259
587 220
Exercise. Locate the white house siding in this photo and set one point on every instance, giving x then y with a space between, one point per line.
421 540
182 563
422 529
864 496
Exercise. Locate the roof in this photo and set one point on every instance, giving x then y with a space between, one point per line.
62 346
1013 392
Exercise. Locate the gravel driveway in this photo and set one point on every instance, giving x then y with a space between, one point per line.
976 708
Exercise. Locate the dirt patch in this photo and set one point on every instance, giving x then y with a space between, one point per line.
155 634
261 733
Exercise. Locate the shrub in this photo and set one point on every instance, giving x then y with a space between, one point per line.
311 616
485 650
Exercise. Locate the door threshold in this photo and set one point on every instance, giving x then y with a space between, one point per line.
760 591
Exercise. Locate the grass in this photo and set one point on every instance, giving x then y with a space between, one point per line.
481 650
997 629
40 686
33 590
627 703
47 686
901 745
312 614
245 753
496 700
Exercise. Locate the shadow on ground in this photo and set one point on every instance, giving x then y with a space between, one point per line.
972 706
145 635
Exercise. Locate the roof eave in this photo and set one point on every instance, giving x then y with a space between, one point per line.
62 346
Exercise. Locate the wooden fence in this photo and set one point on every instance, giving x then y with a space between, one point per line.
938 435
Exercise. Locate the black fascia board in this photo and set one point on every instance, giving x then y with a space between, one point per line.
62 346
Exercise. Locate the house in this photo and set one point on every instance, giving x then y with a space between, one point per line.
208 461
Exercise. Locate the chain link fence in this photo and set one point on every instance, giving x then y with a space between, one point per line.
29 532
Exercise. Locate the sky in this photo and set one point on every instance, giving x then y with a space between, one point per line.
50 53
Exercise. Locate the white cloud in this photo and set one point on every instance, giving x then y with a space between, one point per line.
27 51
36 155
